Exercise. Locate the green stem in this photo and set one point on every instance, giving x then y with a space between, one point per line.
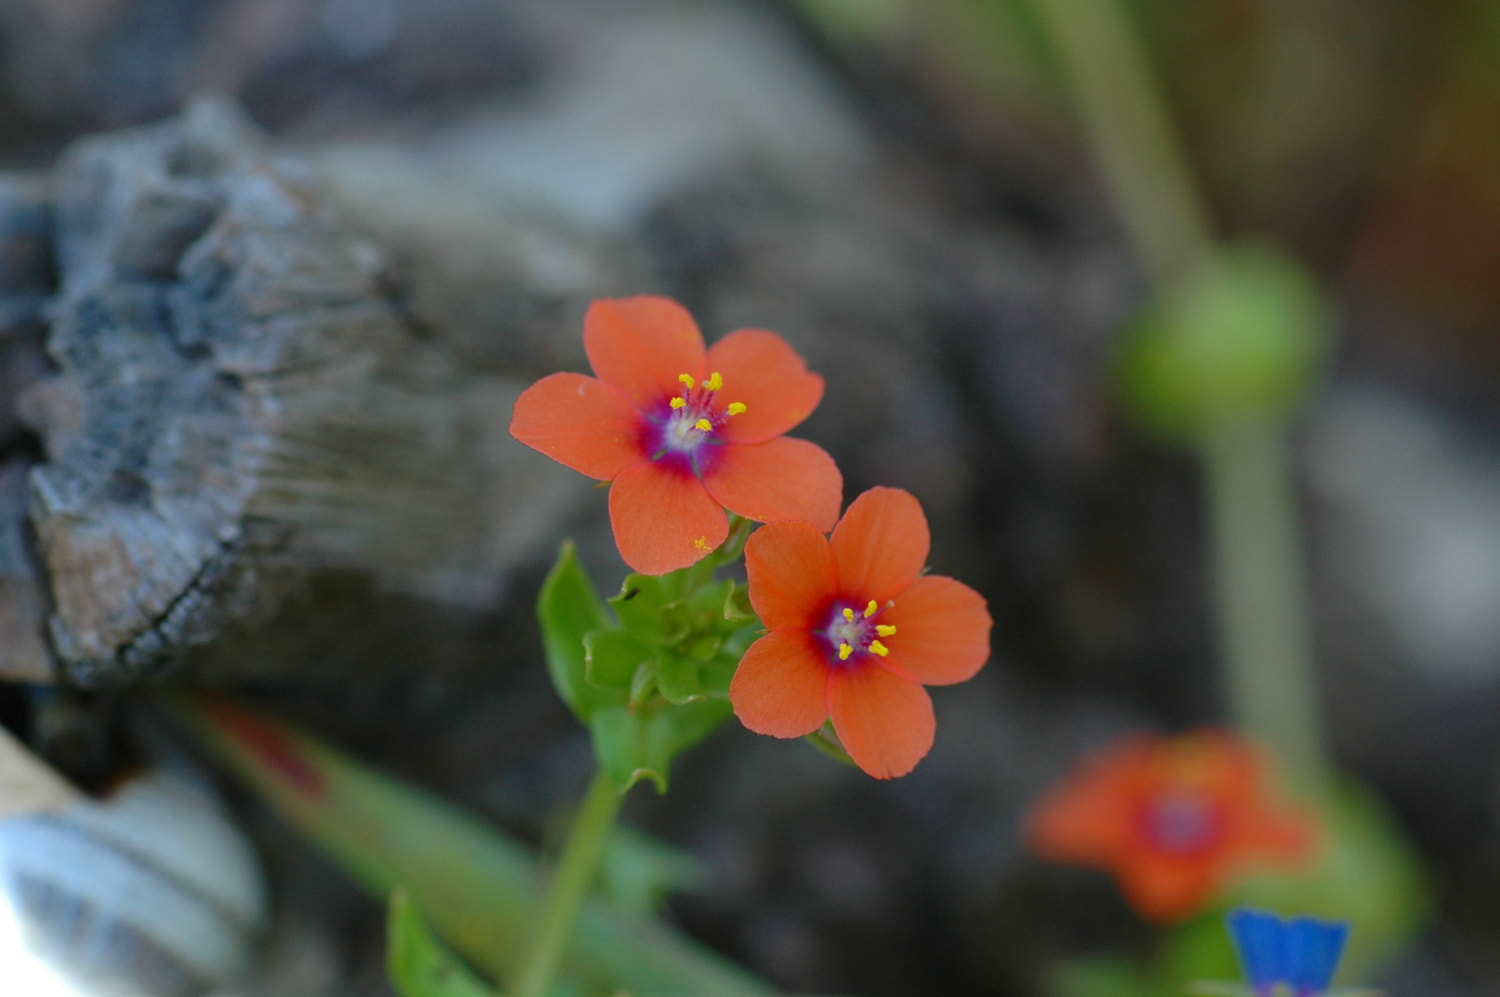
1260 586
1264 630
570 884
1137 151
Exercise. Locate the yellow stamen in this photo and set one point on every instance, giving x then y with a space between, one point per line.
885 630
687 379
704 425
878 648
870 609
678 402
849 615
714 382
735 408
844 651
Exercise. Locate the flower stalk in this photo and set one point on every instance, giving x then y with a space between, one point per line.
1261 594
1141 162
576 869
1237 374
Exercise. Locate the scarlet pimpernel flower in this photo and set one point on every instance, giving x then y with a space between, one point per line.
1174 820
855 632
683 433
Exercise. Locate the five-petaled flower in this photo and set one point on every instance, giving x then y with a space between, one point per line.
1173 819
855 631
1300 952
683 433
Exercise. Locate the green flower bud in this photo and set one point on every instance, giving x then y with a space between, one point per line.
1246 336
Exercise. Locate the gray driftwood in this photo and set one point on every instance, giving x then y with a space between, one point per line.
239 404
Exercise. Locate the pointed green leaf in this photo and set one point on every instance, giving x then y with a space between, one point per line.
477 885
569 608
638 871
419 965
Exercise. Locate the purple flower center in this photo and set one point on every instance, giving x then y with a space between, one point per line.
855 630
683 430
1181 823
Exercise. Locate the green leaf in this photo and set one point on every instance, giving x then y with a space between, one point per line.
568 609
643 607
612 657
677 679
418 964
639 871
632 745
477 885
715 676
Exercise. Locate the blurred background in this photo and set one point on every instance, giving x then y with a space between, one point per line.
901 190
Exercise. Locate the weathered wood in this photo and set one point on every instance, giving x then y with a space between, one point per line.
239 402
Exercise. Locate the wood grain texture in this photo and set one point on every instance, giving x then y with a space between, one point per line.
239 402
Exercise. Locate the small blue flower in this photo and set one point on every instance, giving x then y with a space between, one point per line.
1301 952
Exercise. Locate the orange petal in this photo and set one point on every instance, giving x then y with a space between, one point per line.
881 544
769 378
1082 823
780 687
1289 837
663 519
780 479
1165 891
884 722
640 346
791 573
579 422
942 631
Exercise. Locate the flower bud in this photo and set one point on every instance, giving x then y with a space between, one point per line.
1246 336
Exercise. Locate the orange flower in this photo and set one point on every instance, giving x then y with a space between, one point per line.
1173 819
683 433
854 633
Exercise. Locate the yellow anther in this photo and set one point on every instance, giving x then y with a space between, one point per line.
714 382
878 648
849 615
885 630
704 425
678 402
735 408
870 609
844 651
687 379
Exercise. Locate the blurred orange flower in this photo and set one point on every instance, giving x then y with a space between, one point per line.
683 433
855 631
1174 820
